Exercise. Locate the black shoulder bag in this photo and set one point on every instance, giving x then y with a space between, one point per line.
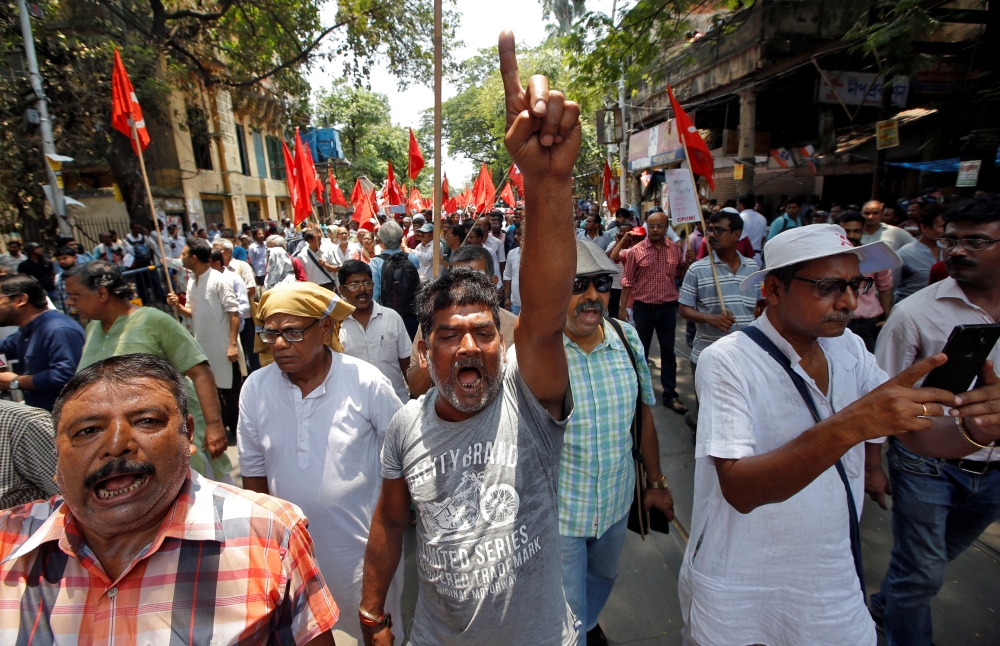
768 346
640 521
332 284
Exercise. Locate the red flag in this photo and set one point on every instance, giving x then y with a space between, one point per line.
358 193
291 178
305 175
393 192
517 178
484 191
428 203
507 195
362 213
611 195
699 159
125 107
336 195
444 188
415 202
451 205
416 157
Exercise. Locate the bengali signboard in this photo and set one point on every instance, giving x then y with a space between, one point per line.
887 134
968 172
656 146
851 88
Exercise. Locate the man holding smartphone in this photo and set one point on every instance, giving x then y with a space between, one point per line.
942 501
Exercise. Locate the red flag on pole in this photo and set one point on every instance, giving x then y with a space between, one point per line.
416 157
611 195
517 178
358 193
291 178
362 211
336 195
415 202
484 190
393 194
444 188
699 159
507 195
125 107
451 205
308 182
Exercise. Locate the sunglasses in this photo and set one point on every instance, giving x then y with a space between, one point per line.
601 283
827 287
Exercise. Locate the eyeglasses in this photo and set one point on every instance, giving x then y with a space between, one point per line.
972 244
716 231
601 283
11 295
292 336
827 287
367 284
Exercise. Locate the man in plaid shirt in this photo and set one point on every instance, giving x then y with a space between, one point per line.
651 272
139 549
596 471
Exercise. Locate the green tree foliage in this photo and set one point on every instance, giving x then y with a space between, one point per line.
565 13
369 137
473 121
248 46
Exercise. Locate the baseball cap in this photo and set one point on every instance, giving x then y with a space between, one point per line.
638 231
819 241
426 228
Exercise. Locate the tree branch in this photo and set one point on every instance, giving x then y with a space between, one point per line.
199 15
289 63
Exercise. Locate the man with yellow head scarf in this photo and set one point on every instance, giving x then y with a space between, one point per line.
311 426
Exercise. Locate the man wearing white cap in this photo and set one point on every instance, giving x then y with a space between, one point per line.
786 405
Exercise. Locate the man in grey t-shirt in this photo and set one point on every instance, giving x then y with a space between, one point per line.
479 453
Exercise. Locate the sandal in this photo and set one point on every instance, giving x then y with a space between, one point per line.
676 406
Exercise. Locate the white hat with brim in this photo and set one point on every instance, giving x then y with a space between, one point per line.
819 241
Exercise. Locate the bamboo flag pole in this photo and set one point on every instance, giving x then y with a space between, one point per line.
704 228
438 207
152 207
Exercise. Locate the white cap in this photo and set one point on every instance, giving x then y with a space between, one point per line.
819 241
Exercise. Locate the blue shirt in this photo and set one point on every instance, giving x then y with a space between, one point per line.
49 350
376 267
257 257
239 253
781 224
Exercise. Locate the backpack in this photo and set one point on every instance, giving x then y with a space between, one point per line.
142 254
399 283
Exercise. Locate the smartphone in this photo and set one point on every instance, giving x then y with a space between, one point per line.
967 348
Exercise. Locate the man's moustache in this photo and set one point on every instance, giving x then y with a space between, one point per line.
952 261
119 467
838 318
590 305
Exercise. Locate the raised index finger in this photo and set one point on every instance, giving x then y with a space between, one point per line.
513 92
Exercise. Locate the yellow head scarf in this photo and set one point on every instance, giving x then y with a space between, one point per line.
301 299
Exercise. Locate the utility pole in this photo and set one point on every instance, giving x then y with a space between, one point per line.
623 148
42 105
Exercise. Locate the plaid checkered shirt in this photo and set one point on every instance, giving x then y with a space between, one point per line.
596 473
651 271
227 566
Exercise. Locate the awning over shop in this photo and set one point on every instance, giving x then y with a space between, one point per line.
937 166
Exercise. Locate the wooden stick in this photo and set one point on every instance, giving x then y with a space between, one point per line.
152 207
704 227
438 206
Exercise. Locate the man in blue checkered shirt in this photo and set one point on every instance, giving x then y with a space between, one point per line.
596 470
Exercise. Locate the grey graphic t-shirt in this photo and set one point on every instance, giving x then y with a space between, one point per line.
488 549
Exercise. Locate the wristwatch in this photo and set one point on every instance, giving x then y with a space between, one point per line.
657 484
14 385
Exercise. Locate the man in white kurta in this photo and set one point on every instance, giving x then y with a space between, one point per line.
320 452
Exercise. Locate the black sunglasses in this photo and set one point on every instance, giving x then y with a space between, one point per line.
827 287
601 283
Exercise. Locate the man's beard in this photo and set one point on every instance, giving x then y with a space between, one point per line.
446 388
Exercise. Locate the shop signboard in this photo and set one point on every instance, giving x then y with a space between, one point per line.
656 146
851 88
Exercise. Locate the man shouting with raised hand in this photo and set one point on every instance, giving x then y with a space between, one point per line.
479 453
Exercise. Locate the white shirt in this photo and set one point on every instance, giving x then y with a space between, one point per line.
425 254
211 299
512 272
242 298
322 453
919 326
892 236
382 344
755 228
244 271
315 273
783 574
174 246
341 256
497 248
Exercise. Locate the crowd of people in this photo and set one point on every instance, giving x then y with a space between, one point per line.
503 407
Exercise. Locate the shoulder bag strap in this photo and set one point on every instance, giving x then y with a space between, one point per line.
768 346
637 418
321 267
